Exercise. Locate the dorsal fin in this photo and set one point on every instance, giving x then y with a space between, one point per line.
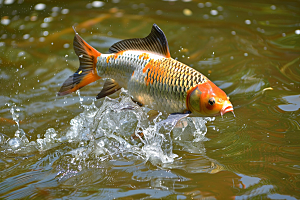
155 42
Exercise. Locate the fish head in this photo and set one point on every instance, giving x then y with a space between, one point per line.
206 99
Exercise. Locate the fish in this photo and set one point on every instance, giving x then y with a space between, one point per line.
144 67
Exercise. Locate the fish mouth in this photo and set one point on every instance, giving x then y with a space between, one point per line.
226 108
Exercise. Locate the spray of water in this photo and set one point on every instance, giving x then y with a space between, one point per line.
105 133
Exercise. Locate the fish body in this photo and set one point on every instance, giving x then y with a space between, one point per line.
153 80
145 68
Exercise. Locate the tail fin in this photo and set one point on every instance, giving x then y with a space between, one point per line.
86 72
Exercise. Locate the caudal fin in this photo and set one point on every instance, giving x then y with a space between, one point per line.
86 72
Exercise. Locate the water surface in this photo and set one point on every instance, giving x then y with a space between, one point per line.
77 147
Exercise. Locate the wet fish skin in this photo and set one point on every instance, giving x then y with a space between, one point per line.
145 68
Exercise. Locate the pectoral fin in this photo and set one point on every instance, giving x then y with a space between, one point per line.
110 87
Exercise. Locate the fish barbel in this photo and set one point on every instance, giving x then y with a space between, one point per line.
145 68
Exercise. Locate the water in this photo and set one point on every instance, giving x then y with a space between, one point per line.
77 147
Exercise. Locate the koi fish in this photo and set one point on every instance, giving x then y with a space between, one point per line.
145 68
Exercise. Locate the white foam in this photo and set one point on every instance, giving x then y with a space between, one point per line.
105 133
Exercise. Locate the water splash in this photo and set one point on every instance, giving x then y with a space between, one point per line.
80 98
105 133
19 138
14 112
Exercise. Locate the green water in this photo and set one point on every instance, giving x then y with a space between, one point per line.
67 148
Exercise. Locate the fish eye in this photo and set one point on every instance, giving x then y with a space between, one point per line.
211 101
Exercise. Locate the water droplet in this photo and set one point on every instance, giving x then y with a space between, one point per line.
233 32
4 36
41 39
26 36
134 6
48 19
5 21
245 54
21 53
158 12
187 12
45 33
200 5
21 27
247 21
44 25
33 18
55 9
66 45
220 8
208 4
97 4
8 2
89 5
109 33
213 12
297 31
40 6
273 7
65 11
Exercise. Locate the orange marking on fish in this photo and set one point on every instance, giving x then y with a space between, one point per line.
89 78
132 73
108 58
156 69
148 81
148 66
118 54
145 56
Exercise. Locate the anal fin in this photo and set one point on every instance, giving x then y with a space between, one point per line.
110 86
